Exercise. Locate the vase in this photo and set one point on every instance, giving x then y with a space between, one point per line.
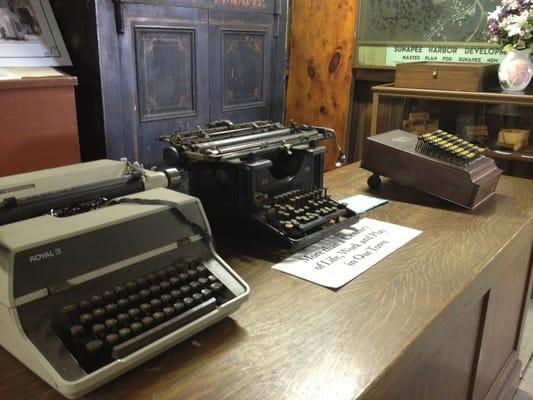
516 70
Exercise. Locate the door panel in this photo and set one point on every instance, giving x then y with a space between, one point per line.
165 75
241 65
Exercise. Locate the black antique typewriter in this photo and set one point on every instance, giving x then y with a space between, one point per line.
262 177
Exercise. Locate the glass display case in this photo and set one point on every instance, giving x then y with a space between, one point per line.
500 122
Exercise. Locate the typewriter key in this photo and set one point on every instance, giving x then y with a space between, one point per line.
156 303
136 328
134 298
203 281
131 286
86 318
194 285
158 317
120 291
216 286
112 339
198 297
124 333
84 305
148 322
166 298
176 294
162 274
189 302
185 289
123 303
108 295
111 308
146 308
99 330
212 278
142 282
94 345
169 311
70 310
152 278
77 331
206 292
202 270
178 306
174 281
134 313
99 313
111 324
145 294
165 285
123 319
97 300
183 276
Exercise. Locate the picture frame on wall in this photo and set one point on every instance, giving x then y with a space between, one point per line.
29 35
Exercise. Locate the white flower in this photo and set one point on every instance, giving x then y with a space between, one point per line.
495 14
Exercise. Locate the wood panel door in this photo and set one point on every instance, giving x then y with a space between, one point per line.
164 72
241 49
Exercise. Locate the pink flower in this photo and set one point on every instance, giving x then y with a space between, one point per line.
517 72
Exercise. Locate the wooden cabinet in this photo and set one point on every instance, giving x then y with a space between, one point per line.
149 68
37 124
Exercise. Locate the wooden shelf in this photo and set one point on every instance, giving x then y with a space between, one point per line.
495 96
524 156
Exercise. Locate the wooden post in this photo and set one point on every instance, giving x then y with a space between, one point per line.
320 66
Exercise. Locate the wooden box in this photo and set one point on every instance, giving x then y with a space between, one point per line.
447 76
515 139
38 125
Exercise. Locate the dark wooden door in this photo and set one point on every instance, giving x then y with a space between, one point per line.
240 45
164 73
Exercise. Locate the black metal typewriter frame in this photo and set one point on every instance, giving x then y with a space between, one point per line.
235 168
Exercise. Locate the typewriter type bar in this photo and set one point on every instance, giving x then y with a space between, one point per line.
264 175
224 141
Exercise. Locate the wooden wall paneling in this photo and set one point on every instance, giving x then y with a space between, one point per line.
320 66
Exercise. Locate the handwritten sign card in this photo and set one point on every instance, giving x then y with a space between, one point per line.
336 260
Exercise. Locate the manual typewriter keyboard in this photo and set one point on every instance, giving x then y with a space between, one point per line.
121 320
301 211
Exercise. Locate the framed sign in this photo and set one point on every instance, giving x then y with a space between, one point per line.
397 31
29 36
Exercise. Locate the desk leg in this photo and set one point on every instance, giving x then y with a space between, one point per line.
374 119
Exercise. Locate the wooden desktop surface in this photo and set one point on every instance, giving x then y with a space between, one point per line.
438 319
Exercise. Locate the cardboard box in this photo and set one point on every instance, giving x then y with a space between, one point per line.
447 76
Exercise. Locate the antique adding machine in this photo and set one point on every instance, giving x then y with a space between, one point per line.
262 178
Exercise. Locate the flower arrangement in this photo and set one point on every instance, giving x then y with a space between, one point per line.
511 24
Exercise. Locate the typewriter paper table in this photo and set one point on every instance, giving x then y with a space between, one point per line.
441 318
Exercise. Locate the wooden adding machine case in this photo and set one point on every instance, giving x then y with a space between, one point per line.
437 163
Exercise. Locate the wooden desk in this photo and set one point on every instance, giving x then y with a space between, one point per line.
438 319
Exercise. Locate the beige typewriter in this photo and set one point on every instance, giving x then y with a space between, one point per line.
102 268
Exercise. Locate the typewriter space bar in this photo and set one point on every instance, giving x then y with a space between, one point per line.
145 338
